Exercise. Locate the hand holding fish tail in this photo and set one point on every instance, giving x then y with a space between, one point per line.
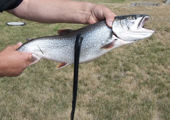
12 62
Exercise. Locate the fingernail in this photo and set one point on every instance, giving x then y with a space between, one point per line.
19 43
110 24
30 57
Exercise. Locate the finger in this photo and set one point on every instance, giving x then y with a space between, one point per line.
30 59
109 22
17 45
110 19
27 57
110 16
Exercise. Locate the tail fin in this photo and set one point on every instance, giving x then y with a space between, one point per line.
34 59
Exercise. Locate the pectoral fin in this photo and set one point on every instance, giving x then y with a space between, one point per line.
64 31
108 46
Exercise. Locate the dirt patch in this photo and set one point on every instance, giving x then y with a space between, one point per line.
145 4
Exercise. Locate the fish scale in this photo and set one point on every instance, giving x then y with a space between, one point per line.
98 39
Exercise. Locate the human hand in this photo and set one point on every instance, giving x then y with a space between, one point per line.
99 12
12 62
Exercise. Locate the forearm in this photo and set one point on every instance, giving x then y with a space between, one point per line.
53 11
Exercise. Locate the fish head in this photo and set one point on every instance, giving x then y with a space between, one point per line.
129 28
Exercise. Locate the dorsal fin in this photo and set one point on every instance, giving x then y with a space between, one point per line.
28 39
65 31
34 59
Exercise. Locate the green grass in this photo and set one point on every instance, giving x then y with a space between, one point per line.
131 82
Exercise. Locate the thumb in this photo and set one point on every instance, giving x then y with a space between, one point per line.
109 23
110 16
109 20
17 45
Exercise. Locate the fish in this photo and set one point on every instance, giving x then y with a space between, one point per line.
98 39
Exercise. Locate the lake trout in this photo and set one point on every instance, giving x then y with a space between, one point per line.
98 39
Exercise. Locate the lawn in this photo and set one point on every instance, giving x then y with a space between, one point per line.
129 83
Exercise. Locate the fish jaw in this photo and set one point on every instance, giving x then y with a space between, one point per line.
130 27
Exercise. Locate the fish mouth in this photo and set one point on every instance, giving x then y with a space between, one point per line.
140 26
142 21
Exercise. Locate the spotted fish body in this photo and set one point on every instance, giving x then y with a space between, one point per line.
98 39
